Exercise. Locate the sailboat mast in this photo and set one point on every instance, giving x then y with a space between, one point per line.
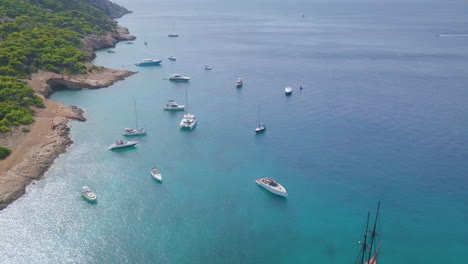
364 244
373 233
136 114
259 115
186 100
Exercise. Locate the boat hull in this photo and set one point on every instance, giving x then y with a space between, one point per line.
174 108
273 190
143 64
179 80
114 147
260 130
157 176
135 133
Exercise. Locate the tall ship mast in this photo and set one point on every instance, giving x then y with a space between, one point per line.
369 251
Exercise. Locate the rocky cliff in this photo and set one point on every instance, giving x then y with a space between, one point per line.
113 10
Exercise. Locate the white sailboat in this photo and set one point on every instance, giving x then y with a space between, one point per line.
261 126
134 131
189 120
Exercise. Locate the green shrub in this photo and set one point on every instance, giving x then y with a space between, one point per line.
4 152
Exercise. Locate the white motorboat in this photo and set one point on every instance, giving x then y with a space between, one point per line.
288 90
271 185
189 121
110 51
176 77
173 106
172 58
208 67
239 83
133 131
148 62
120 144
173 35
156 174
88 194
129 42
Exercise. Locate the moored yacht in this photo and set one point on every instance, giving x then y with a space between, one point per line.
176 77
134 132
261 128
87 194
208 67
271 185
189 121
239 83
120 144
173 106
148 62
110 51
288 90
173 35
172 58
156 174
129 42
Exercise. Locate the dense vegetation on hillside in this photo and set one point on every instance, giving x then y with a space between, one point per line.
45 35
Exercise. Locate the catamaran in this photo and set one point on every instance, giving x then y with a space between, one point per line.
369 253
134 131
189 120
261 126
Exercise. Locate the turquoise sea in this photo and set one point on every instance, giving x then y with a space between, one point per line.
383 116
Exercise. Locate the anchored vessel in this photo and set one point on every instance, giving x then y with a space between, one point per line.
172 58
261 126
132 131
173 106
156 174
189 120
369 253
288 90
273 186
119 144
208 67
110 51
239 83
88 194
148 62
176 77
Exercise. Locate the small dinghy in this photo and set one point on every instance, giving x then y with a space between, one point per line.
156 174
88 195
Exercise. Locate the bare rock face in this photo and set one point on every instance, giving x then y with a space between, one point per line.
113 10
95 42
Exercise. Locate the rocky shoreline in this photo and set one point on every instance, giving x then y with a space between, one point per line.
34 152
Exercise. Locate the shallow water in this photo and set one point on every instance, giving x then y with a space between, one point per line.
382 116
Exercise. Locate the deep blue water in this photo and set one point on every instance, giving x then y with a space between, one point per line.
383 116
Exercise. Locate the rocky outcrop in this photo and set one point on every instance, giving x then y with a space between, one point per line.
96 42
113 10
37 151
